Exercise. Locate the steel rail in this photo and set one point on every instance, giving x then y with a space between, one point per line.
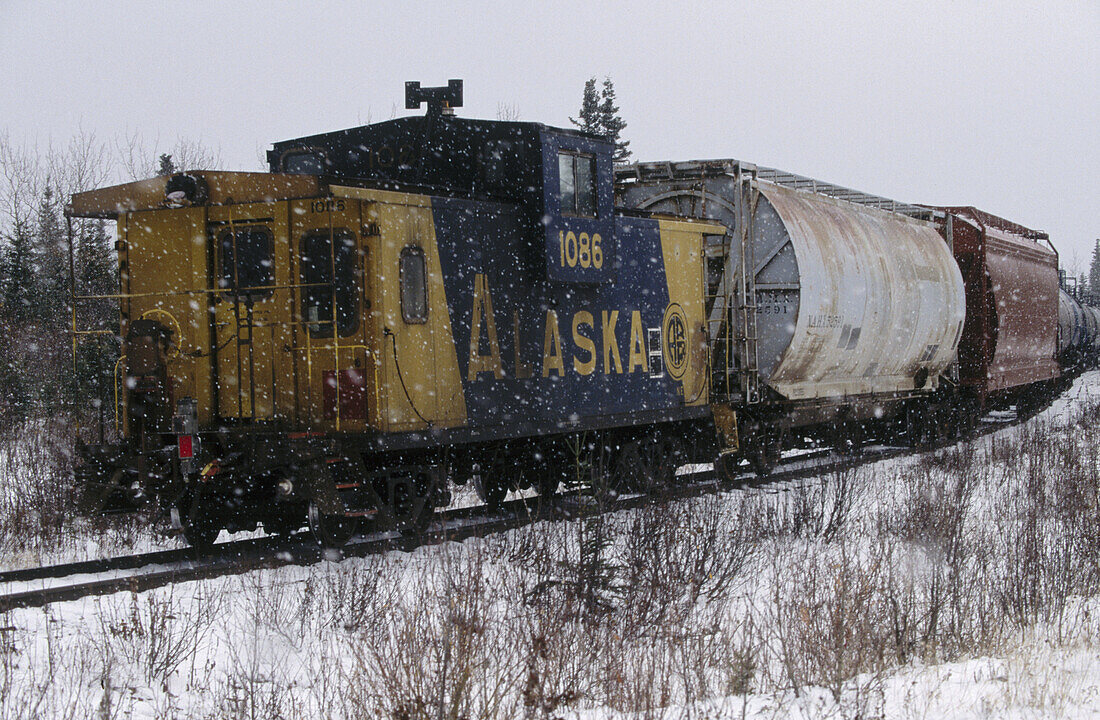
235 557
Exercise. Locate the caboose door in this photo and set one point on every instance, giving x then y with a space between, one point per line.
330 327
246 307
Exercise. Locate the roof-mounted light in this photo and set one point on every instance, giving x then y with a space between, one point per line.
183 190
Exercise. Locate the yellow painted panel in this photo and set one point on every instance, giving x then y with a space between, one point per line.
682 251
166 269
423 385
223 188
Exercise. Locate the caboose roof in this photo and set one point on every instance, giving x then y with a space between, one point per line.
223 188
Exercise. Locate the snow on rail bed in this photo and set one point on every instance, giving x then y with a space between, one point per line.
958 584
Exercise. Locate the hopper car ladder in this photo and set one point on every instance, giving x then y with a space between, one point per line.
730 299
748 193
719 313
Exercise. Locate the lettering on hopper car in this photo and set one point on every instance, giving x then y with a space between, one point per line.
824 320
593 333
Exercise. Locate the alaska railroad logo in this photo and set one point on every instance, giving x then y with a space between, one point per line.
675 340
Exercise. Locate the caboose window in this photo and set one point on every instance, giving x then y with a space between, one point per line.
498 161
320 258
577 175
414 285
307 163
245 260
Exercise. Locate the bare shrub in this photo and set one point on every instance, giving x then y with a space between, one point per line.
831 621
36 497
674 554
820 508
156 632
437 655
350 595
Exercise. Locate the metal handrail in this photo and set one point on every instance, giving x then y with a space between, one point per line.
118 365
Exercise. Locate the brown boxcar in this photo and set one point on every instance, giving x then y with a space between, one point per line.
1010 337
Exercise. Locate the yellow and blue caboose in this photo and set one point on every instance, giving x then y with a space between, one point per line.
393 306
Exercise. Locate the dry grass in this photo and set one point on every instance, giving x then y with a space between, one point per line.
38 522
827 588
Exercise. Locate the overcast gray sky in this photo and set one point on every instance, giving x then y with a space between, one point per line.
936 102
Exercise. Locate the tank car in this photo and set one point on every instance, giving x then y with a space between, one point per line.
1073 332
394 305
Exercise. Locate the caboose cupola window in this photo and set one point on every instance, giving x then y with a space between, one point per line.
244 260
319 260
310 162
577 175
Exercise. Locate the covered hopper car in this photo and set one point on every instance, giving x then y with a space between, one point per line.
849 306
1010 339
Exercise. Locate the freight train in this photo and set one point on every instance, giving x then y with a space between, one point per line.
431 300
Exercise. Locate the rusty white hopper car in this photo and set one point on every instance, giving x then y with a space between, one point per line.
840 308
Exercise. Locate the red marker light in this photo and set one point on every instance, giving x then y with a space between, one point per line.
185 447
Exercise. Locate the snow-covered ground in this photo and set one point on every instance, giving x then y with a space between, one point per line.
959 584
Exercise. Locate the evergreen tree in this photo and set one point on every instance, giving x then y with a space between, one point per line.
590 110
611 124
15 386
51 261
96 354
167 167
18 273
599 115
95 261
1094 273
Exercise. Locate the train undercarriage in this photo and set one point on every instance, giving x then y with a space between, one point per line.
239 478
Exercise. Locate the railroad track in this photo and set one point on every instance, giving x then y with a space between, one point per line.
35 587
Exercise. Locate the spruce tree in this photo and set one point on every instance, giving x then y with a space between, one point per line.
94 260
51 261
599 115
589 115
611 124
18 291
167 166
96 354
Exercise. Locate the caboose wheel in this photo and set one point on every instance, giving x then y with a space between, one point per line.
199 528
727 466
284 522
649 464
548 483
761 460
330 531
412 507
201 533
490 489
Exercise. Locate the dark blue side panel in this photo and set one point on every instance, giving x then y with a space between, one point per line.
557 379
